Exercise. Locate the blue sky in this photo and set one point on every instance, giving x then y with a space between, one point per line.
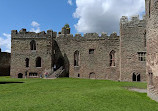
82 15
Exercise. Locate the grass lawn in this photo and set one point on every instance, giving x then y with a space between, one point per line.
67 94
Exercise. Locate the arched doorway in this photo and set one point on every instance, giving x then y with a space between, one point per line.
92 75
20 75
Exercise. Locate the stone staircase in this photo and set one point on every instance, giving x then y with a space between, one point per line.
56 74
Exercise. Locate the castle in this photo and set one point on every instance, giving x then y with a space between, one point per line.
91 56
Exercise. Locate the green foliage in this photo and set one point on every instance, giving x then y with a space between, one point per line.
67 94
67 26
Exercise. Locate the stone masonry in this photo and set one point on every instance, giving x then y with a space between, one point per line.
90 56
4 63
152 47
132 46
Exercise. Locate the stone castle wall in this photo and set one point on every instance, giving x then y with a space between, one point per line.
98 63
59 50
152 47
133 41
21 50
4 63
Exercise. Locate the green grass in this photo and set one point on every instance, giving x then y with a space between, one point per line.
67 94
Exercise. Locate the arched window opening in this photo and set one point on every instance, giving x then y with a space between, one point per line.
27 62
33 45
149 8
112 58
136 77
76 58
38 62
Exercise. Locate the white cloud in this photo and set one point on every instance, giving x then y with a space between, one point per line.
69 2
37 30
35 26
6 42
104 15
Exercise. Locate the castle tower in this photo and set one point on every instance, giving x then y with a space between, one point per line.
152 47
132 49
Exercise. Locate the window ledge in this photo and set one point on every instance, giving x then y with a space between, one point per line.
112 66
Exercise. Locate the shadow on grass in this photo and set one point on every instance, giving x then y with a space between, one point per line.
11 82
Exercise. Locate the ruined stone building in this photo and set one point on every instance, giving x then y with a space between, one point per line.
152 47
90 56
4 63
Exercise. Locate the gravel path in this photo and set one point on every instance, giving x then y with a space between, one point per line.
138 90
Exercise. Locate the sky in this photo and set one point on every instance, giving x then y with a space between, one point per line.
83 16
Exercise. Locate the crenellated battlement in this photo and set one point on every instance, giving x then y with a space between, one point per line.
134 21
23 33
88 36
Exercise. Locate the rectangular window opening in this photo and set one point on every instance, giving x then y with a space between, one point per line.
91 51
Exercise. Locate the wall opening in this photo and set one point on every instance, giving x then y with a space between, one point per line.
78 75
92 75
136 77
33 74
76 58
33 45
27 62
20 75
91 51
112 58
142 56
38 62
60 63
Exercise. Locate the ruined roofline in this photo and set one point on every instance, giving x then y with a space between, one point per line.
26 34
88 36
132 21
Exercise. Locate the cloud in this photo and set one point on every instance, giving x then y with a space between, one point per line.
69 2
35 26
104 15
6 42
37 30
